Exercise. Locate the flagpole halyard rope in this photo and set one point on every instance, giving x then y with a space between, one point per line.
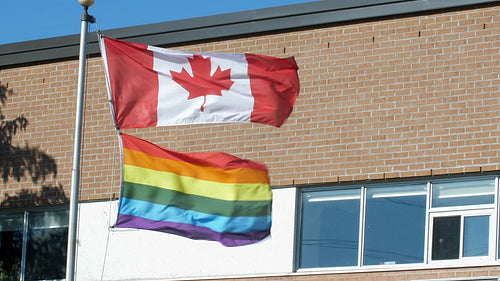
110 100
118 133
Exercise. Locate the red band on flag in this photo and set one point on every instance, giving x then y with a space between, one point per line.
210 159
134 83
269 75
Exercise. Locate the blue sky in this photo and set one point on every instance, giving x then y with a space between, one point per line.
23 20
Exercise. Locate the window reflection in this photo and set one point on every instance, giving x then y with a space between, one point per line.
11 243
446 238
46 253
476 236
43 239
466 193
395 225
330 232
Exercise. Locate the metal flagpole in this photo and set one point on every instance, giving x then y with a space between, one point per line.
75 173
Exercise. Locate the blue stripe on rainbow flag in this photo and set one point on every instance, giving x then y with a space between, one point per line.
158 212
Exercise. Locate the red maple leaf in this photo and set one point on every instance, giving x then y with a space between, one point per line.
202 83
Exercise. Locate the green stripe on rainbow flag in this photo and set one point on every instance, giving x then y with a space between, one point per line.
194 202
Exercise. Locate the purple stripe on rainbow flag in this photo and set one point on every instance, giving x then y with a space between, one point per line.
194 232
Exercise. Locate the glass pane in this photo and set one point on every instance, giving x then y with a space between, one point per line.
330 228
446 238
395 225
463 193
476 236
47 243
11 243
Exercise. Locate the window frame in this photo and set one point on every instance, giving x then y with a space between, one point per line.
492 210
463 214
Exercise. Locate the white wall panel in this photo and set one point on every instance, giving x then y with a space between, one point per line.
125 254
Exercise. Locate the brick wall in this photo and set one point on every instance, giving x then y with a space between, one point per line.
450 274
399 97
390 98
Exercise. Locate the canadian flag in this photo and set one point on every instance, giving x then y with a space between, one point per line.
151 86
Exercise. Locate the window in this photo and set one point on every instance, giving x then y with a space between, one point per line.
395 225
462 219
330 236
448 232
420 222
33 245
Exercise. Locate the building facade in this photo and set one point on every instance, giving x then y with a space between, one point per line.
387 169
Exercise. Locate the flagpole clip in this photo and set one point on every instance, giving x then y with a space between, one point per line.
86 4
86 17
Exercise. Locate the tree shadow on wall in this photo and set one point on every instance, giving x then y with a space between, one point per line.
49 194
26 162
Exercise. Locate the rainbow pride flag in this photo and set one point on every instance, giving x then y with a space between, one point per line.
208 196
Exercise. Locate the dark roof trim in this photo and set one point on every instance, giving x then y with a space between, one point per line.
226 25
